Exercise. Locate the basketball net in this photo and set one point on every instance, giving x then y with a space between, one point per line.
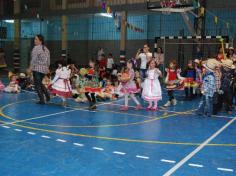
167 5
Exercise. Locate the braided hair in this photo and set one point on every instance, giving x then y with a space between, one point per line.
41 38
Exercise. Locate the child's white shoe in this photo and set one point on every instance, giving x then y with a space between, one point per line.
168 103
174 102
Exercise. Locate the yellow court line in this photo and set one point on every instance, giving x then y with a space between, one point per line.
122 139
104 126
89 126
97 126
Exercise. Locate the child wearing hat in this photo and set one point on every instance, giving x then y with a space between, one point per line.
231 54
227 85
208 88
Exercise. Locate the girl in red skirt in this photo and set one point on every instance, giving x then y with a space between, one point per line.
60 85
92 85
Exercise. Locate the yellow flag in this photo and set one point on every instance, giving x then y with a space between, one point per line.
216 20
202 11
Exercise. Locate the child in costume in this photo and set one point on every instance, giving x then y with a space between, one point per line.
46 80
60 85
128 86
109 91
13 86
227 78
189 82
208 88
80 84
198 80
92 85
151 87
173 82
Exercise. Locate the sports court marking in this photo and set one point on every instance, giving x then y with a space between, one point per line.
198 149
117 139
151 118
143 157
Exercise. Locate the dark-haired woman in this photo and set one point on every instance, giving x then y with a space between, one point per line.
159 58
39 65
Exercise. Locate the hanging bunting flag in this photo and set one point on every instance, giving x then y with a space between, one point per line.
216 20
202 11
227 25
117 19
104 5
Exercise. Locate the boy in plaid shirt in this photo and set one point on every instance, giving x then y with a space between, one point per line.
208 88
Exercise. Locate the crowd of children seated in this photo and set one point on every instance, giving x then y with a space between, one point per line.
211 79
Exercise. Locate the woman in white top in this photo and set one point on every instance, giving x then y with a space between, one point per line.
110 63
143 59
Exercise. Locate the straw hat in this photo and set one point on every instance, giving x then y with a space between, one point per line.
22 75
211 64
231 48
227 63
197 61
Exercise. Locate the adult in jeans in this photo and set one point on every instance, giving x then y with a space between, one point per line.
39 65
145 56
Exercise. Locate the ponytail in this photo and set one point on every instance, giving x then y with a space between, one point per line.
41 38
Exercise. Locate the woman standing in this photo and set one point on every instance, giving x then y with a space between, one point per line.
160 59
39 65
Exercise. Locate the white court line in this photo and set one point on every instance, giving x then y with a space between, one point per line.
200 147
78 144
225 169
195 165
48 115
61 140
39 117
167 161
98 148
31 133
6 127
46 137
19 130
142 157
119 153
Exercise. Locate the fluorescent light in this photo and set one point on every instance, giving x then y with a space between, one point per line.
108 15
9 21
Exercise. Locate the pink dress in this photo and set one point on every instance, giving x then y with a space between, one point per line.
130 86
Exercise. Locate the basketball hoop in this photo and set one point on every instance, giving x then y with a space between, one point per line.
167 5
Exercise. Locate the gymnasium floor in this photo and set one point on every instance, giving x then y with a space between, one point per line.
45 140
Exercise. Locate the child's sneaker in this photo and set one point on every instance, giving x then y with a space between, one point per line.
167 104
174 102
154 109
148 109
124 108
138 107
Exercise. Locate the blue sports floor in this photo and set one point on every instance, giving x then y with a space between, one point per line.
48 140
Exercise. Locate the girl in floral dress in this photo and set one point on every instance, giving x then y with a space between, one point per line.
129 87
